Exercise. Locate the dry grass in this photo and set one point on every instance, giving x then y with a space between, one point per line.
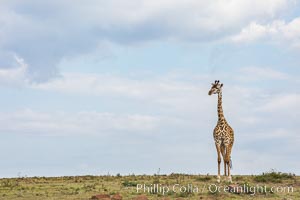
83 187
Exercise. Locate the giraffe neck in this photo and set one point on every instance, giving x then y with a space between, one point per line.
220 109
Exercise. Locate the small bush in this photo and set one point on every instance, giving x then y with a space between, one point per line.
203 178
129 184
238 178
184 194
156 181
9 183
273 176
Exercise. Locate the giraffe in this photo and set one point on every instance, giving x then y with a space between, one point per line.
223 134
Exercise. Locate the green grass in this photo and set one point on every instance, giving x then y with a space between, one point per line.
83 187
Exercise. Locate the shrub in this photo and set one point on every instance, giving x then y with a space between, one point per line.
129 184
203 178
273 176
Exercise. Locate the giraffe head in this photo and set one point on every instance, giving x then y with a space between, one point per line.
216 87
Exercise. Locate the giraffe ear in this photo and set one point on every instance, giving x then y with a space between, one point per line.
221 84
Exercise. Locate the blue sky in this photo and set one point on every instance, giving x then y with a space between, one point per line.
103 87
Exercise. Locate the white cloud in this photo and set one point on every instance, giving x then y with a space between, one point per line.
251 33
174 92
255 114
14 76
162 90
170 96
289 103
279 31
45 33
96 123
261 73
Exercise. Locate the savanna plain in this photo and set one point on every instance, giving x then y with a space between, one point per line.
285 186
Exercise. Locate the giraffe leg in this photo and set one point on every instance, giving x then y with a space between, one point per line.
223 151
218 146
228 153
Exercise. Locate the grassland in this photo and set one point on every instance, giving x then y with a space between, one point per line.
84 187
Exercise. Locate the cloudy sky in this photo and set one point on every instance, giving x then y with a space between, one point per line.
97 87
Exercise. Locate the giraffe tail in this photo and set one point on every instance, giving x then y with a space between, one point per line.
230 163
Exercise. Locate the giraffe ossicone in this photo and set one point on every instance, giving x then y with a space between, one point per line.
223 134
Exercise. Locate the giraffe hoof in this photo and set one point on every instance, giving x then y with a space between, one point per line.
218 179
229 179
